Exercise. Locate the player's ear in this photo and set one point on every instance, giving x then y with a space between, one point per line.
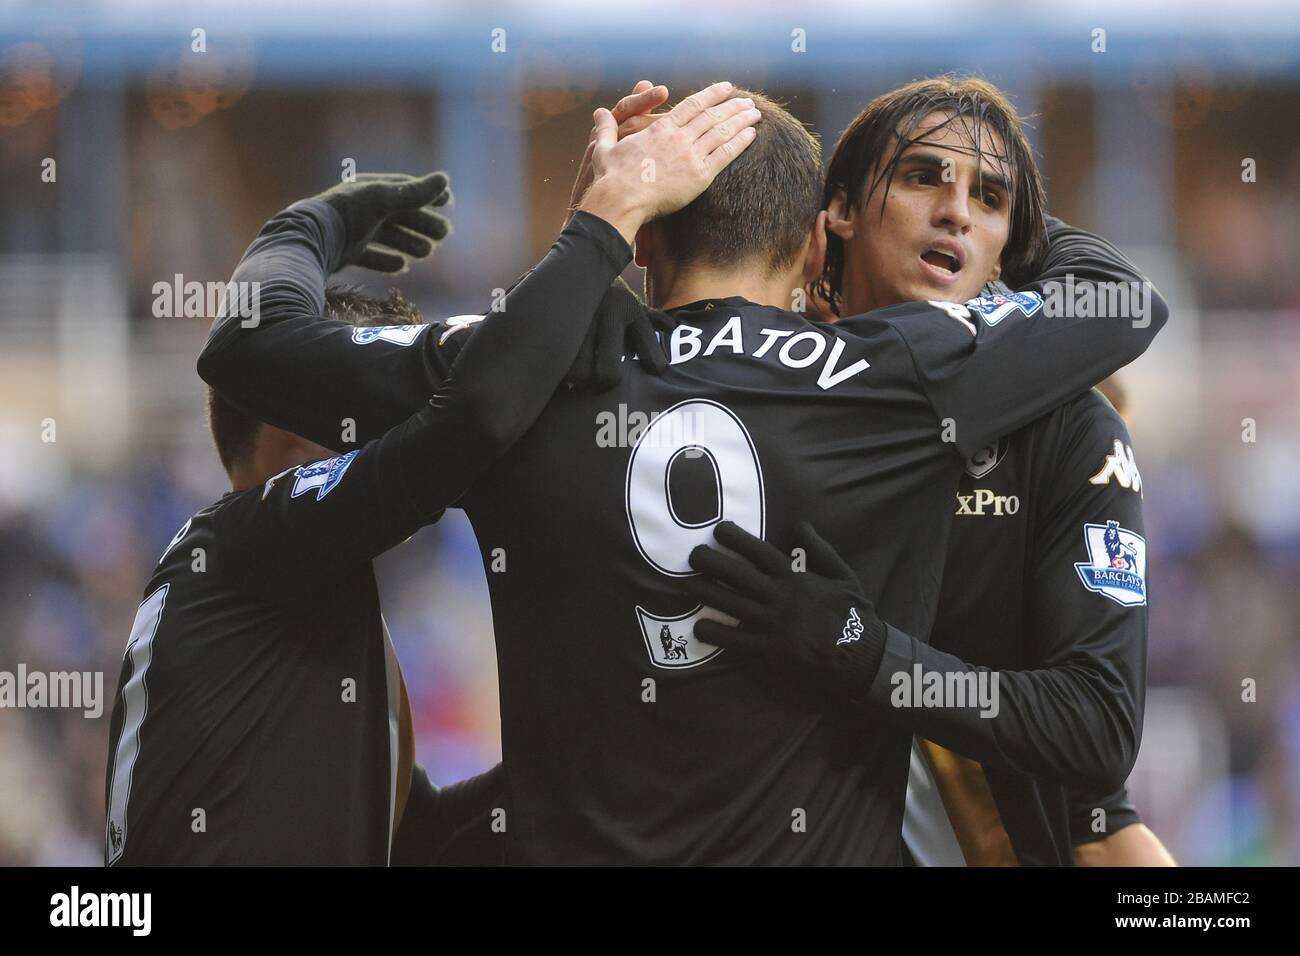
839 219
816 259
643 246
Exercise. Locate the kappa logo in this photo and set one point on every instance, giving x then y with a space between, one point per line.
852 628
1118 563
1119 464
396 334
458 323
986 459
321 476
955 311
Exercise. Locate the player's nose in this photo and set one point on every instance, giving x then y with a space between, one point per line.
951 208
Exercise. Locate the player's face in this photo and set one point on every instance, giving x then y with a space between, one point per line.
940 233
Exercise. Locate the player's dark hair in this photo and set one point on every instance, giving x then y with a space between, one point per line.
762 206
868 153
235 433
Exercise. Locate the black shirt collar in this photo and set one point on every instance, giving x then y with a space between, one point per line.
703 305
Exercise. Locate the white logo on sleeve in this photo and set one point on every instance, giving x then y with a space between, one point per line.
1119 465
1118 563
396 334
995 308
955 311
321 476
852 628
458 323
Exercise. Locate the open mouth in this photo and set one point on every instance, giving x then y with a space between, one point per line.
941 260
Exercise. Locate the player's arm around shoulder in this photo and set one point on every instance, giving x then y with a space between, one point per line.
276 354
997 362
315 520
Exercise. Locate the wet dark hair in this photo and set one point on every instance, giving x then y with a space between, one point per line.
762 206
877 137
235 433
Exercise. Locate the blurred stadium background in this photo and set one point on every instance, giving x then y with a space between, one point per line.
169 160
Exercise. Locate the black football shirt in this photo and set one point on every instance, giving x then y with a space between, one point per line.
1032 591
625 740
256 715
258 709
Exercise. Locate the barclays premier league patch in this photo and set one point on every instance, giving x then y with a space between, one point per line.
1118 565
995 308
396 334
321 476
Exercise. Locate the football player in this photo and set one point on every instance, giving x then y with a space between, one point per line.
261 716
621 746
933 193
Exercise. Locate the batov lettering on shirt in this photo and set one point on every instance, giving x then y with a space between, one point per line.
796 350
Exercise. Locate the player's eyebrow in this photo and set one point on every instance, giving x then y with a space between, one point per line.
924 158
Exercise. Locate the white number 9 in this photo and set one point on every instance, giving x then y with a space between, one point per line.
697 427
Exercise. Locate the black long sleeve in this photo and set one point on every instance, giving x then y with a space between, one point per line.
341 386
335 512
1076 715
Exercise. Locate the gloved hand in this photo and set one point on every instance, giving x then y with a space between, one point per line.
814 622
622 327
388 217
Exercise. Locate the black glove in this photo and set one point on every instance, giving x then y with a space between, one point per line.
622 326
389 217
815 622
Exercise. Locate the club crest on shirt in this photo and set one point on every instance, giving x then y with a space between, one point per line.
1118 563
995 308
987 458
396 334
321 476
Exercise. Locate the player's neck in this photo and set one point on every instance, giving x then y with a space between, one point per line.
670 288
250 474
269 459
242 477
